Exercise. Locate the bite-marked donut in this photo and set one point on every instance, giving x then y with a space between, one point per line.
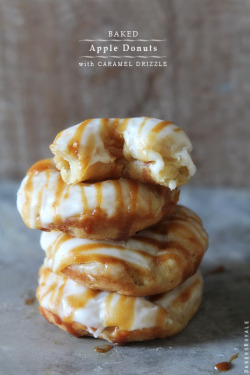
145 149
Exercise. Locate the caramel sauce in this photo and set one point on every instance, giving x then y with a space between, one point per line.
89 146
142 125
56 296
39 199
67 190
225 366
49 288
84 200
154 133
60 186
63 237
121 221
233 357
120 313
41 166
30 301
99 196
122 125
133 195
26 208
222 366
161 125
74 143
104 122
118 196
75 302
103 348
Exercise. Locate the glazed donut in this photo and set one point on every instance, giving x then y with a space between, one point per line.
112 316
153 261
144 149
112 209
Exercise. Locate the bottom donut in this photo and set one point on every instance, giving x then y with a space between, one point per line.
114 317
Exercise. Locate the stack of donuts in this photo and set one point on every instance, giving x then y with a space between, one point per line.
122 256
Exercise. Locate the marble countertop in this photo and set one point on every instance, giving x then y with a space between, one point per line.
29 345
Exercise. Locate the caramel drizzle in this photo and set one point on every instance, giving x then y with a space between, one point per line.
84 199
60 186
160 126
75 141
26 208
133 194
29 191
76 302
119 197
121 313
41 166
142 125
39 198
55 246
122 124
103 348
44 281
99 195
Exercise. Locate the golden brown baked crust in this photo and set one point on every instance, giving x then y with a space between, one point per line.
111 209
163 315
153 261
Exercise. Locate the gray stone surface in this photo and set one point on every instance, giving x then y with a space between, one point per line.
29 345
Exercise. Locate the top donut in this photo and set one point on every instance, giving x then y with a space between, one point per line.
141 148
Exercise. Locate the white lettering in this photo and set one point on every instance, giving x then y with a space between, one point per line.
125 47
123 34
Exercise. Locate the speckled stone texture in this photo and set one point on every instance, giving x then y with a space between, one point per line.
29 345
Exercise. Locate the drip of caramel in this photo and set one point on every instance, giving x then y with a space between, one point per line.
103 348
225 366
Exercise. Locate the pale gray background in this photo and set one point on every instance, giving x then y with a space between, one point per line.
205 88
